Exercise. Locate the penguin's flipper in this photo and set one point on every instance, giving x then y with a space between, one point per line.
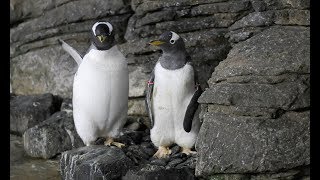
149 98
70 50
193 105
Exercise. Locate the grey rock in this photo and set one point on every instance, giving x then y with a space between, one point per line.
189 163
174 163
147 6
219 20
254 19
16 149
137 83
291 174
272 52
229 177
243 34
28 111
94 162
24 167
245 110
152 18
223 7
261 5
292 17
240 144
43 70
175 149
21 10
150 172
136 107
77 32
283 95
51 137
158 162
66 105
69 13
267 18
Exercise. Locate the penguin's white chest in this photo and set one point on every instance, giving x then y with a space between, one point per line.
100 92
173 90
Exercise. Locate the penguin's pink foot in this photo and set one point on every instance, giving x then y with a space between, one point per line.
162 152
109 141
187 151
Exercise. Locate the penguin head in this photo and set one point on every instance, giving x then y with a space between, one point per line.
102 35
169 41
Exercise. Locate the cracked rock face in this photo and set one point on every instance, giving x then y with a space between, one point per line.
257 116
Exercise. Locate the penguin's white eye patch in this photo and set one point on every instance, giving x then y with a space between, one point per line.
174 37
106 23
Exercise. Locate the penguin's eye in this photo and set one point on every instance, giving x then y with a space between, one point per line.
172 41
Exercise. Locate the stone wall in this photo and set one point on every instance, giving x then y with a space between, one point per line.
255 109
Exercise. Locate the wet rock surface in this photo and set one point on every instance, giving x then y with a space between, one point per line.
23 166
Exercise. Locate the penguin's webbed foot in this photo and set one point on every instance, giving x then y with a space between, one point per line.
110 142
187 151
162 152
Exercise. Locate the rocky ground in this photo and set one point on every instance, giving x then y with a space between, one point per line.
52 148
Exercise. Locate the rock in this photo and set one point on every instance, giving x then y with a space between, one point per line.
189 163
155 17
267 54
28 111
94 162
66 105
21 10
267 18
68 13
149 172
252 144
25 167
174 163
254 19
32 72
292 17
220 20
283 95
229 177
137 81
223 7
159 162
16 149
148 6
136 107
53 136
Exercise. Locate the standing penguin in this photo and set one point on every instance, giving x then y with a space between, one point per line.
100 87
172 95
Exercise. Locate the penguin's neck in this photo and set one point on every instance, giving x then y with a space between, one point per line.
173 60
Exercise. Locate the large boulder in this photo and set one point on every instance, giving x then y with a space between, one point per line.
94 162
28 111
253 144
53 136
257 106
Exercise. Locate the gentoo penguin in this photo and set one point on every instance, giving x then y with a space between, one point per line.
100 87
171 99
